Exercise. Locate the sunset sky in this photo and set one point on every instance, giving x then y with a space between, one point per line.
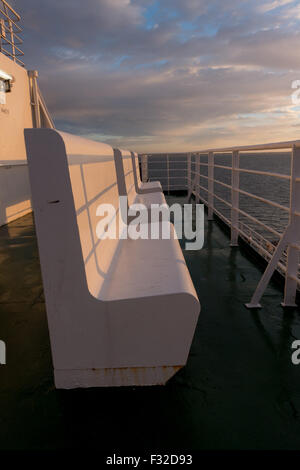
167 75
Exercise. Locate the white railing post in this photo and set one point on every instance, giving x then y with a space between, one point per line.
168 173
292 266
189 175
144 165
210 186
235 197
33 74
288 240
197 180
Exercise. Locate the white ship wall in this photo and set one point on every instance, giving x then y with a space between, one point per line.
15 115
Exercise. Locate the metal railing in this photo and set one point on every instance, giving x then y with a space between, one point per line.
278 246
9 33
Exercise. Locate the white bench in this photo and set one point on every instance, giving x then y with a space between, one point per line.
143 187
120 312
127 182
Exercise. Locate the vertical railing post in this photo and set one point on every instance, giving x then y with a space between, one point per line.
33 74
292 266
144 165
210 186
197 179
2 32
168 173
12 39
189 174
235 197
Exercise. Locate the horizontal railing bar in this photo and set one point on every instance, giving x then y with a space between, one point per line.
224 167
262 199
167 176
222 200
264 173
245 148
5 52
166 169
228 186
254 219
294 245
7 41
221 216
248 148
202 187
294 278
201 198
10 20
4 2
8 31
260 249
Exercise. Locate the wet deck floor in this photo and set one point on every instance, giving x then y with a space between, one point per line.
239 389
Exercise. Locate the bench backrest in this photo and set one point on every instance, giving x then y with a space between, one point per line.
137 168
80 175
128 176
93 179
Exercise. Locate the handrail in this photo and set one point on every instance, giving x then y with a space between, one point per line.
8 33
252 148
281 253
12 10
289 144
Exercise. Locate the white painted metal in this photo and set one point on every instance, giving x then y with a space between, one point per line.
197 179
291 236
144 159
293 252
285 264
140 187
189 175
33 74
210 186
9 33
120 312
126 182
235 197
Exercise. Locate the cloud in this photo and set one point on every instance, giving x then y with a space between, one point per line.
166 74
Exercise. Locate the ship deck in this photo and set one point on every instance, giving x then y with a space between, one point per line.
239 389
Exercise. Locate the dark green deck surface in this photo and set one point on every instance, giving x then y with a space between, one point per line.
239 389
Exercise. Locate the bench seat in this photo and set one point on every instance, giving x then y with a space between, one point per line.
126 172
120 312
144 268
150 186
143 187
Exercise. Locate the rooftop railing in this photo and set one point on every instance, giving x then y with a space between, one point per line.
271 225
9 33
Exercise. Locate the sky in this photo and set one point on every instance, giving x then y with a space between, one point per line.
167 75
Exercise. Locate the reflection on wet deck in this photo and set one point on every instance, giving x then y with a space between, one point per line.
239 389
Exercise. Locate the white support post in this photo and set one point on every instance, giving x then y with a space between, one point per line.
210 186
189 175
263 283
290 237
33 74
293 252
197 179
290 288
144 168
168 173
235 197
